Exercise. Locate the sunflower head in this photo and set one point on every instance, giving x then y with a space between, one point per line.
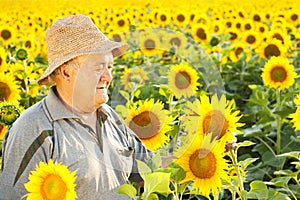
9 88
271 47
150 121
21 54
215 117
6 34
203 161
51 181
278 73
9 113
182 79
132 77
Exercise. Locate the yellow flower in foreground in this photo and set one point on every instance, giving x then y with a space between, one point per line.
278 73
204 164
182 80
150 122
51 182
216 117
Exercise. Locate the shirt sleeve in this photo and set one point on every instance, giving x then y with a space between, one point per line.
24 147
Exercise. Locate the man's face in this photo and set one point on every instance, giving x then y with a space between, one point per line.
91 81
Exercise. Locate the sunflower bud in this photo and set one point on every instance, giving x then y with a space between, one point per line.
230 146
8 114
21 54
214 41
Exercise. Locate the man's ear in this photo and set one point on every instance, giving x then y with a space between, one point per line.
65 72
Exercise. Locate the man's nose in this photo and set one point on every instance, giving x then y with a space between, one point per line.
106 76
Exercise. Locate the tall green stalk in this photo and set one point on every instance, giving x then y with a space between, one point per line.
278 123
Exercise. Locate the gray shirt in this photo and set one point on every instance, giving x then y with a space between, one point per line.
103 160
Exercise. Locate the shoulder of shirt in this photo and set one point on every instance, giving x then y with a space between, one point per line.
110 111
32 119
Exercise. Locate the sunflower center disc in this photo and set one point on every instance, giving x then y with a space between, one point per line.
215 123
278 74
4 91
203 163
145 125
53 187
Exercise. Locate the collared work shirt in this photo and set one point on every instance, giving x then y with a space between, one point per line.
102 160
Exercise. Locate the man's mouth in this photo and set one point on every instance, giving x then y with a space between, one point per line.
103 85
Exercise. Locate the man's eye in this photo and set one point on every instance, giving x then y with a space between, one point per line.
110 66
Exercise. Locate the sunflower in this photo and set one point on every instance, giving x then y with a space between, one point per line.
182 80
3 65
293 16
271 47
252 38
200 33
181 17
122 23
217 27
216 117
201 18
256 16
149 43
177 40
118 37
150 122
9 89
6 34
261 28
296 116
3 129
238 50
248 25
279 34
162 16
233 34
51 181
204 164
278 73
297 100
133 76
9 112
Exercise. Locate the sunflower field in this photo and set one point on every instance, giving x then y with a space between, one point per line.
212 84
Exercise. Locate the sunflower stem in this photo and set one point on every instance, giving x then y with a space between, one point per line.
237 169
175 140
278 123
266 144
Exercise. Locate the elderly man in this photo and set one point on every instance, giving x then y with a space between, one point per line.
73 125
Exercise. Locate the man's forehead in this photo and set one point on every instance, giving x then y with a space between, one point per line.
97 58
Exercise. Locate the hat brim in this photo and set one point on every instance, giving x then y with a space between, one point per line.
117 49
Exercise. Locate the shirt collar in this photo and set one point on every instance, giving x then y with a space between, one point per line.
56 107
58 110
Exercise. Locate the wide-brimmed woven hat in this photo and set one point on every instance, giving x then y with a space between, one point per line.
73 36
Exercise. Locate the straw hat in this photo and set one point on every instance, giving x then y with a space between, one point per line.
73 36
